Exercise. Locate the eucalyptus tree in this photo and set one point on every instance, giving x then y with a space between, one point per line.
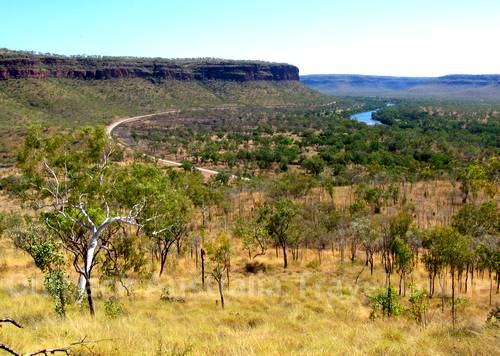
367 231
452 250
166 207
357 210
481 223
71 176
489 257
219 253
403 261
472 178
331 220
251 230
279 216
392 242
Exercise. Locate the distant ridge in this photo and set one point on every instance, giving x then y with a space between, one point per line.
454 86
18 64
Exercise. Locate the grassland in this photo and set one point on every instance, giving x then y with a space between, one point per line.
309 309
315 307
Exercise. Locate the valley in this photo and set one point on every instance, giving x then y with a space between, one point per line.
185 207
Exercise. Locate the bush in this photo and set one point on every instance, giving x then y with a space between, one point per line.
494 317
419 303
384 302
255 267
113 308
166 297
60 289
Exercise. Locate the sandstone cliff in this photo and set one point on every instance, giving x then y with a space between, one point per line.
27 65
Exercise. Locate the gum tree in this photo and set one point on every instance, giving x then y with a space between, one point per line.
219 253
71 176
279 216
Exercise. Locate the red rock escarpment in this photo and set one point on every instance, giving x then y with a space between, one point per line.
14 66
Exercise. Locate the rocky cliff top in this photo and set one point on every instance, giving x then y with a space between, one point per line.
31 65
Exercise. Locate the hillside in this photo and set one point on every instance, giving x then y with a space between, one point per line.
73 91
485 87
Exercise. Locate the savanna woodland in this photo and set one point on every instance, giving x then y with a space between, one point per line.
304 231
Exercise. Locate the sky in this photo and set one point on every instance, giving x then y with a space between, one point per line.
379 37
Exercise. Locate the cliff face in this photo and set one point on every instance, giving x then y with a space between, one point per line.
21 65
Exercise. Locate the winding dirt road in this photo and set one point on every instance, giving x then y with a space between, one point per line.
110 128
205 171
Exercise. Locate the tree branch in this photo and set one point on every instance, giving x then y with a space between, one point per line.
9 350
12 321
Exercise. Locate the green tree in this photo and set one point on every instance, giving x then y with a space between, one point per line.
278 217
454 249
72 176
314 165
219 253
253 233
45 250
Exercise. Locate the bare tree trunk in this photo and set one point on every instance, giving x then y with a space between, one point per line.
389 295
285 260
466 278
227 274
441 284
162 263
202 254
219 282
89 296
453 314
341 247
491 285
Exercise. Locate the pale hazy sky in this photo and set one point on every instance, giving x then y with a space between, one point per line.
385 37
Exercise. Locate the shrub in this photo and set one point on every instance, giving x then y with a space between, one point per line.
255 267
419 303
384 302
113 308
166 297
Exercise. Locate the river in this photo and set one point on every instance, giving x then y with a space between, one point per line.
366 116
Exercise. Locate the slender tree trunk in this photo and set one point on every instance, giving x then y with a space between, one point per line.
196 257
353 251
219 282
227 274
89 296
432 278
389 295
491 285
472 278
285 261
441 284
341 247
163 259
466 278
202 254
453 315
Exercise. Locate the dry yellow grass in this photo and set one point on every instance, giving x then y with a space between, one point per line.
311 308
305 310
